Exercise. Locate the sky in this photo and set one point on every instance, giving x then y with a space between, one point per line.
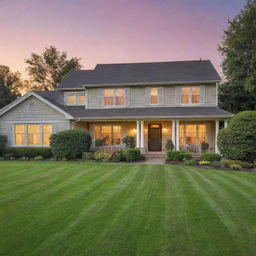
114 31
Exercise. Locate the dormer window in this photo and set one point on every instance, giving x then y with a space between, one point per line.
190 95
75 99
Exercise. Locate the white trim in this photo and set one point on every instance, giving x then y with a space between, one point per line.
142 134
225 123
21 99
137 134
32 122
173 132
177 135
217 128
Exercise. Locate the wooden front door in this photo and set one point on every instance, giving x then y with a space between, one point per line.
155 137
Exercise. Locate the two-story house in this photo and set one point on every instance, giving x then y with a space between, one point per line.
153 102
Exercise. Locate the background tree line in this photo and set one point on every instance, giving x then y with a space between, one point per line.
238 49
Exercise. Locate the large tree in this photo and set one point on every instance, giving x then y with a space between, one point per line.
49 68
238 49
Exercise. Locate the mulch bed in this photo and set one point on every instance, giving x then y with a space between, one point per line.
207 167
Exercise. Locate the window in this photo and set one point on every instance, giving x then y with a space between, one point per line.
20 134
32 134
76 99
192 134
153 96
190 95
114 97
111 134
47 132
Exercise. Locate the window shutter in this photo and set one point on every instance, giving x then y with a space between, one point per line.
127 96
202 94
100 97
177 95
160 95
147 95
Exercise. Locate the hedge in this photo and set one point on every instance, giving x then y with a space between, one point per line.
210 156
171 155
131 154
3 142
30 152
238 140
70 144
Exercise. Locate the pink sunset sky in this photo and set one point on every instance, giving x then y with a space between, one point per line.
110 31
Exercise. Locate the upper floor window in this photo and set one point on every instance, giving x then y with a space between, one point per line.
76 99
190 95
32 134
114 97
153 96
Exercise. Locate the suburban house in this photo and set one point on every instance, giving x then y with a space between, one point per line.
153 102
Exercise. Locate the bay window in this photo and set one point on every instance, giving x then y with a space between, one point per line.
190 95
32 134
114 97
111 134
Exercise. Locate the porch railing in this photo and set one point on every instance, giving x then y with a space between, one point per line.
195 149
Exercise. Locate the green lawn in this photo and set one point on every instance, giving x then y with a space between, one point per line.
69 208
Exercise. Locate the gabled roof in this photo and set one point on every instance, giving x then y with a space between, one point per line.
173 72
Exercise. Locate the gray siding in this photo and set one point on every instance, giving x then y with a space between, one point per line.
31 110
138 96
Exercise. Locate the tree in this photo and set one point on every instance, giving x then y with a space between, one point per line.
48 69
239 61
238 140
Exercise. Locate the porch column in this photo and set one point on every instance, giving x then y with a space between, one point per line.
177 135
217 128
173 132
142 134
225 123
137 134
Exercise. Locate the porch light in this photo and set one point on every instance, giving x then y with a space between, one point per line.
165 130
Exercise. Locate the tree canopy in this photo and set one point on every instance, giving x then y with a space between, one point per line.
49 68
239 61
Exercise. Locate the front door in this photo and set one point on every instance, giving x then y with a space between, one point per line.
155 137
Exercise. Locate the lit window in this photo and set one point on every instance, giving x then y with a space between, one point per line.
34 134
190 95
47 132
153 96
114 97
81 99
20 134
119 96
108 97
111 134
71 99
192 134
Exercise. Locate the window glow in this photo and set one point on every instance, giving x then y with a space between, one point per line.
114 97
34 134
71 99
81 99
47 132
20 134
153 96
190 95
111 134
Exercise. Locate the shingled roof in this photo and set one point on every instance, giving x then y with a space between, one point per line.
175 72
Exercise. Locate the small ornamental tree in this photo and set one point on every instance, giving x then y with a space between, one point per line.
238 140
129 141
169 145
70 144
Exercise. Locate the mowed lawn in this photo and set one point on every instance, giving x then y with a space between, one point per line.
79 208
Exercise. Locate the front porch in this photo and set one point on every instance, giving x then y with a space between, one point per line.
152 135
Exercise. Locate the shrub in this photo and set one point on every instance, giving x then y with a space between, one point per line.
169 145
171 154
102 156
30 152
238 140
131 154
190 162
8 156
204 162
24 158
204 146
99 143
235 166
70 144
246 165
38 158
87 155
129 141
216 164
183 156
116 157
227 163
3 142
210 156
